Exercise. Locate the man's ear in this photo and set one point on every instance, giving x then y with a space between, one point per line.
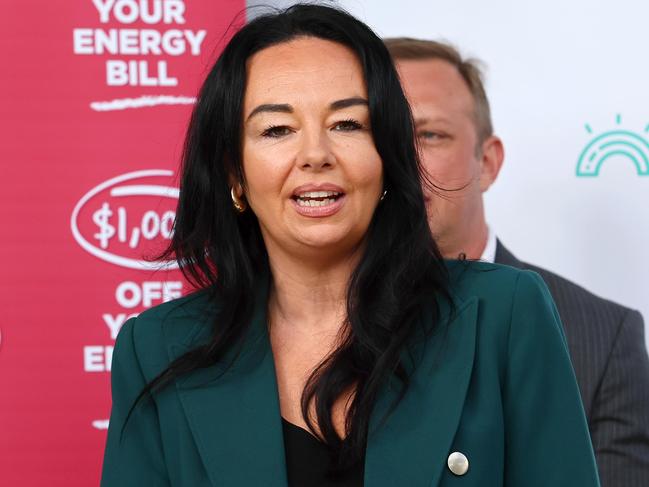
493 154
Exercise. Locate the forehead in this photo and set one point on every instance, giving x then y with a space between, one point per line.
303 69
435 84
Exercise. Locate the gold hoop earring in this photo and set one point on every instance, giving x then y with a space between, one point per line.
238 204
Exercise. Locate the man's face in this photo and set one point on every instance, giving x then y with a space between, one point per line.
450 152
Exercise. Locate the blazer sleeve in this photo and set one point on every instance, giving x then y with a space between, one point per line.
620 414
133 455
546 434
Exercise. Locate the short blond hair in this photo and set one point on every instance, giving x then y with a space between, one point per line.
406 48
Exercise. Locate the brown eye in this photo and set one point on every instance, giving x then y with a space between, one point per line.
276 131
348 125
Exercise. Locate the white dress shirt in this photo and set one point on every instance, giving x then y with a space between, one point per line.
489 252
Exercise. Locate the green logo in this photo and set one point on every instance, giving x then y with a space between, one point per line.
623 143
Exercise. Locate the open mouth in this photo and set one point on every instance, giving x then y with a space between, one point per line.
317 198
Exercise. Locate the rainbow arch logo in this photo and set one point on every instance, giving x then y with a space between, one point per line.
616 143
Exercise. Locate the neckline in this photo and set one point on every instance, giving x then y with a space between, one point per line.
302 431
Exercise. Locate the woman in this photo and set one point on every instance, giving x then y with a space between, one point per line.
331 344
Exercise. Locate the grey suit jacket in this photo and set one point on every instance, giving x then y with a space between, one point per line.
607 347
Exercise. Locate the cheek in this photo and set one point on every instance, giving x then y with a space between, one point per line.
447 166
264 172
365 169
369 184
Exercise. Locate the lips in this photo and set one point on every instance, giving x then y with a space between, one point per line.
318 200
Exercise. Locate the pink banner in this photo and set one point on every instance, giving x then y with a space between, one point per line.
94 101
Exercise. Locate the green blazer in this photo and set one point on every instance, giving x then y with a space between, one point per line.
494 382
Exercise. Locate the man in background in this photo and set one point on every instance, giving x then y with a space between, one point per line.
462 158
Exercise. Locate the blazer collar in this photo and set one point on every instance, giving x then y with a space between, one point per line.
504 256
235 418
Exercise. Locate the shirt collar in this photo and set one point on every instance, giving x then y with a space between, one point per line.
489 252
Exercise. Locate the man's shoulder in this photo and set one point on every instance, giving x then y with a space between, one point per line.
593 326
571 297
575 303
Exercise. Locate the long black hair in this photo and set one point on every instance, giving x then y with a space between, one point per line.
223 252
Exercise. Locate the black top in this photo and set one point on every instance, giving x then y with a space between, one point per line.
308 460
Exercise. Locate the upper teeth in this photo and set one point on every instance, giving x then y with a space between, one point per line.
317 194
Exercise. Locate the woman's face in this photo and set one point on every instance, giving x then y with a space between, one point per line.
313 176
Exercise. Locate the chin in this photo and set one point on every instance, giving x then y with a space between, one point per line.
333 242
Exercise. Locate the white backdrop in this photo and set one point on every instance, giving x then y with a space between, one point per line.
559 74
554 67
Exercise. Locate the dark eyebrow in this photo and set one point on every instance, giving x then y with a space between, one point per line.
286 108
348 102
272 108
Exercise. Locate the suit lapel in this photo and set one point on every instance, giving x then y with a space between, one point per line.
504 256
235 416
412 445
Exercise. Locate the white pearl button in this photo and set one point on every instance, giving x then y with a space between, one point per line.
458 463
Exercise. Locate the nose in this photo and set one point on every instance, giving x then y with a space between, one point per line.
315 152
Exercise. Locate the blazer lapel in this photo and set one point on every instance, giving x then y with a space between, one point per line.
235 416
412 445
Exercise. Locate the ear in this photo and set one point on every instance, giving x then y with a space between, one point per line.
491 160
